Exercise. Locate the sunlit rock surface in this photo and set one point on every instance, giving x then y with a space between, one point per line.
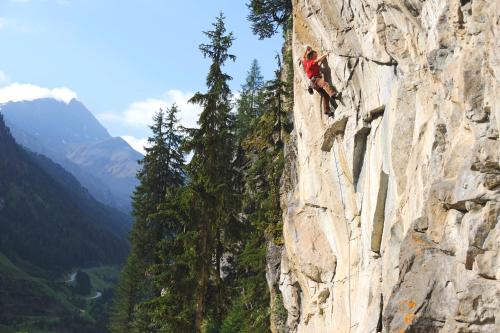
391 208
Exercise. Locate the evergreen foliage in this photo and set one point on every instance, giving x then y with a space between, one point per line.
126 295
161 172
161 169
262 166
49 224
48 219
213 178
172 308
268 15
199 245
251 102
201 230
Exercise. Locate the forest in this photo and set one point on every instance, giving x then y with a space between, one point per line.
208 204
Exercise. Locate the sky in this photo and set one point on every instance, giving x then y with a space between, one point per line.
124 59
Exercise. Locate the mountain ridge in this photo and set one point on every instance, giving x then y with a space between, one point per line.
50 225
105 165
41 201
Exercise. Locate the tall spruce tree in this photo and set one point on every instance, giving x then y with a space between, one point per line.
212 177
262 166
175 275
268 15
161 171
250 103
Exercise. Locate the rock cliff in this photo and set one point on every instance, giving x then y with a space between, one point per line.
391 207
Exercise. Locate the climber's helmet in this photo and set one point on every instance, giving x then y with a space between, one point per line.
312 55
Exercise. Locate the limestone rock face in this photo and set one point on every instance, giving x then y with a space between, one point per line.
391 207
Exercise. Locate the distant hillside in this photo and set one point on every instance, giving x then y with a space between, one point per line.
70 135
49 225
48 219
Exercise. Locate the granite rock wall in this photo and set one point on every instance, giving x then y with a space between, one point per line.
391 207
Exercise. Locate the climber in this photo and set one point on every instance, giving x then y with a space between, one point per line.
312 67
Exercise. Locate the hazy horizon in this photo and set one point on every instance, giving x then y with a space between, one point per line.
122 60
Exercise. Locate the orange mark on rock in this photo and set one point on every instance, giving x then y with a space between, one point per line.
409 318
410 304
407 304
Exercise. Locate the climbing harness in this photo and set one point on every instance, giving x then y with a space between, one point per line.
312 85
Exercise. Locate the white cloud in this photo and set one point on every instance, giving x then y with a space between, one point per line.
137 143
17 92
140 114
4 79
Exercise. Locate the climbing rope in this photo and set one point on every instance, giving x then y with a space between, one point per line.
348 234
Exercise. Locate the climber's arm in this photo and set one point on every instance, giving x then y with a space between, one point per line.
323 57
304 58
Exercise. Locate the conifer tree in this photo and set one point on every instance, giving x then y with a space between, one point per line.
250 103
212 174
268 15
161 171
172 310
126 296
262 168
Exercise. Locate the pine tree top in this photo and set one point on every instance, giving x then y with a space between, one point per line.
267 16
220 43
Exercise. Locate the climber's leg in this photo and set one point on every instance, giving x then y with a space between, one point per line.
327 93
326 100
326 87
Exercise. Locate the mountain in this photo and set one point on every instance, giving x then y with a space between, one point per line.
70 135
50 224
48 218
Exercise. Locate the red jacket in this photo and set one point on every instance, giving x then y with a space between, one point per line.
312 68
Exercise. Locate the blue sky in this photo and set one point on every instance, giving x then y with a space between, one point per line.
122 58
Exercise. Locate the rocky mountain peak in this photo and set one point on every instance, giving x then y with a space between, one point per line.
69 134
